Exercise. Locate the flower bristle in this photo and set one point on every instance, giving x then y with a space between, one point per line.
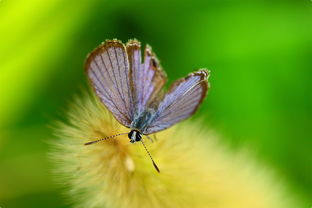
195 171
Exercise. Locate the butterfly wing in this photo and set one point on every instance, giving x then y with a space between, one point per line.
108 70
181 101
147 77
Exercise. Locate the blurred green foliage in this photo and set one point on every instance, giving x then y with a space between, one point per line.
259 53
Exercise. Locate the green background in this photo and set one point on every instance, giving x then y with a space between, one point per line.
259 53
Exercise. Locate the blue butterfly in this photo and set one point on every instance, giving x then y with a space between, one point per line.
132 89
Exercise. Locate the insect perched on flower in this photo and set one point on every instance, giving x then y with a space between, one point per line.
132 89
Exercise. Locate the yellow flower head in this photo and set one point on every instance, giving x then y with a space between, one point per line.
195 171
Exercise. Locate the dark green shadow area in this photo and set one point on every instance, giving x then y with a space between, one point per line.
44 199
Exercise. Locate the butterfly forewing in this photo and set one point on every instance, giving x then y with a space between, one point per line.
181 101
147 76
108 70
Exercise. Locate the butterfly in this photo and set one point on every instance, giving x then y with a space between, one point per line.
131 88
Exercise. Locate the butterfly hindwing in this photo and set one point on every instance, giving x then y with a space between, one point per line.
108 70
147 76
181 101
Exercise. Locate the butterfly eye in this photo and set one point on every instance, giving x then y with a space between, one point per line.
138 137
130 134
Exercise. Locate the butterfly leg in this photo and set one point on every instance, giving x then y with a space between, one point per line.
149 138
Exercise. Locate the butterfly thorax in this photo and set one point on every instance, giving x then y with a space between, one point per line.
135 136
142 120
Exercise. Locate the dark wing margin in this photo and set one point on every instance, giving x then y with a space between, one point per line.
108 70
181 101
147 76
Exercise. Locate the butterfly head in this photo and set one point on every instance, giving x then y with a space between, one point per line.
135 136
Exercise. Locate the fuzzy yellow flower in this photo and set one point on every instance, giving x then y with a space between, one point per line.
195 170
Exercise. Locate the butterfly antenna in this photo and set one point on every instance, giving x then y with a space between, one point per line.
155 166
105 138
